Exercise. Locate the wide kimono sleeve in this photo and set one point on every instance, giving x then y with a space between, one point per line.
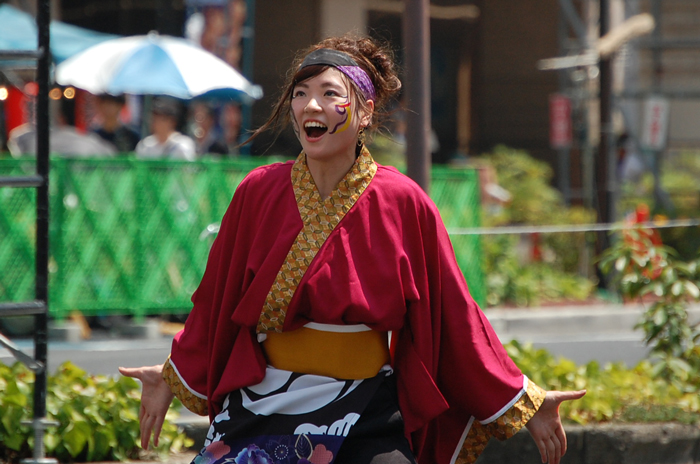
217 351
186 369
452 369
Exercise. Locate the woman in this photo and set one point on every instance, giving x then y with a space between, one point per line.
332 323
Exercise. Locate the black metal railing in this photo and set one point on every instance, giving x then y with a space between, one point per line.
39 307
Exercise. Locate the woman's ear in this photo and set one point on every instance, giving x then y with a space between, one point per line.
366 119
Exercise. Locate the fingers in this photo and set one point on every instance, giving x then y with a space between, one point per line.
151 425
130 372
157 428
146 430
556 455
142 372
542 447
550 449
569 395
561 435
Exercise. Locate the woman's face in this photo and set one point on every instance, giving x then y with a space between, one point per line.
326 116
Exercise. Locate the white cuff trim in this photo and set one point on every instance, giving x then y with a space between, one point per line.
509 405
198 395
455 455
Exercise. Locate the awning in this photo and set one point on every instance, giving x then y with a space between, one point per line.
18 32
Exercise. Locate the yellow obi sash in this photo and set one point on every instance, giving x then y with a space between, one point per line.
339 351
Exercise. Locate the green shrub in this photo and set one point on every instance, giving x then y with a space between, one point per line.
614 392
534 202
508 281
680 175
97 416
645 269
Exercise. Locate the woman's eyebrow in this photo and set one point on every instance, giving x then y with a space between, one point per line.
323 85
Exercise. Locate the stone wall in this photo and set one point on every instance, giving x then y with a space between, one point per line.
663 443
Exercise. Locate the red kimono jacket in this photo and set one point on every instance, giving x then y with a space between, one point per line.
388 264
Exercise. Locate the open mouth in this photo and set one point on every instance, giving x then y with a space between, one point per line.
314 129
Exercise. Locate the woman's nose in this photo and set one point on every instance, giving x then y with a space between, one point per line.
312 106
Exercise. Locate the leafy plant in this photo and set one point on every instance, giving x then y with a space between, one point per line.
508 281
97 416
614 392
644 269
556 274
680 172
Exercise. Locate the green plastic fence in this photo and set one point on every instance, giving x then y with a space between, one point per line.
130 237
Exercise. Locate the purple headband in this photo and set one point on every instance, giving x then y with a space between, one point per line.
345 64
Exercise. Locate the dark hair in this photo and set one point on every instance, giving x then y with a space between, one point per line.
121 99
376 59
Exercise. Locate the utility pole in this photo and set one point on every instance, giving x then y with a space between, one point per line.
416 41
657 76
605 176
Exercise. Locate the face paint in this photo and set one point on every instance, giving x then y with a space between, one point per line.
343 109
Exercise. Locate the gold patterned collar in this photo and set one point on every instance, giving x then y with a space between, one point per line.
342 197
320 217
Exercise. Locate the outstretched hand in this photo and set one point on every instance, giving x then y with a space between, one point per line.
546 428
155 400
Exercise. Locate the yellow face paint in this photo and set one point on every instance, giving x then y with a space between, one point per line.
343 109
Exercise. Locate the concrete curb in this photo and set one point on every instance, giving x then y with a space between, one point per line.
608 318
654 443
196 428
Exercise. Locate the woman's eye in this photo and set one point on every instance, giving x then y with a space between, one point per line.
331 93
298 93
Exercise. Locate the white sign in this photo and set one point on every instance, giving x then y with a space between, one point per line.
655 129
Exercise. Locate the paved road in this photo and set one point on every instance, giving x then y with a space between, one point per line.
581 334
105 356
624 347
100 356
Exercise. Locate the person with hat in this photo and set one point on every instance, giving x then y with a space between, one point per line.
333 324
165 140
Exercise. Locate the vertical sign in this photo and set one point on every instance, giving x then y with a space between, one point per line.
560 127
655 130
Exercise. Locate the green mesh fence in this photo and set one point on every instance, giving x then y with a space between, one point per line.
131 237
456 194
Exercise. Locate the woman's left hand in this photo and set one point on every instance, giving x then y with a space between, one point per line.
545 426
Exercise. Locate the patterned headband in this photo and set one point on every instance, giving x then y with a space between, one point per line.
345 64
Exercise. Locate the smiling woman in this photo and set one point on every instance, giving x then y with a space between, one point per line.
332 324
332 103
327 101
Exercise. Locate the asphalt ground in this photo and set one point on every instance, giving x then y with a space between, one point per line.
603 333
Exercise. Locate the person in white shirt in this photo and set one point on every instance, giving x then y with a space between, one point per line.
165 141
64 138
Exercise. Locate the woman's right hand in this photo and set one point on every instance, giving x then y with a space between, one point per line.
155 400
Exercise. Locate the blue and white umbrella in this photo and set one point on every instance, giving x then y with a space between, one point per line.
155 65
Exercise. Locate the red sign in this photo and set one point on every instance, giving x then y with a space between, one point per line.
560 127
15 109
655 131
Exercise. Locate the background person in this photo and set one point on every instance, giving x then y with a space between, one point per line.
317 261
64 138
207 134
232 121
165 141
110 127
